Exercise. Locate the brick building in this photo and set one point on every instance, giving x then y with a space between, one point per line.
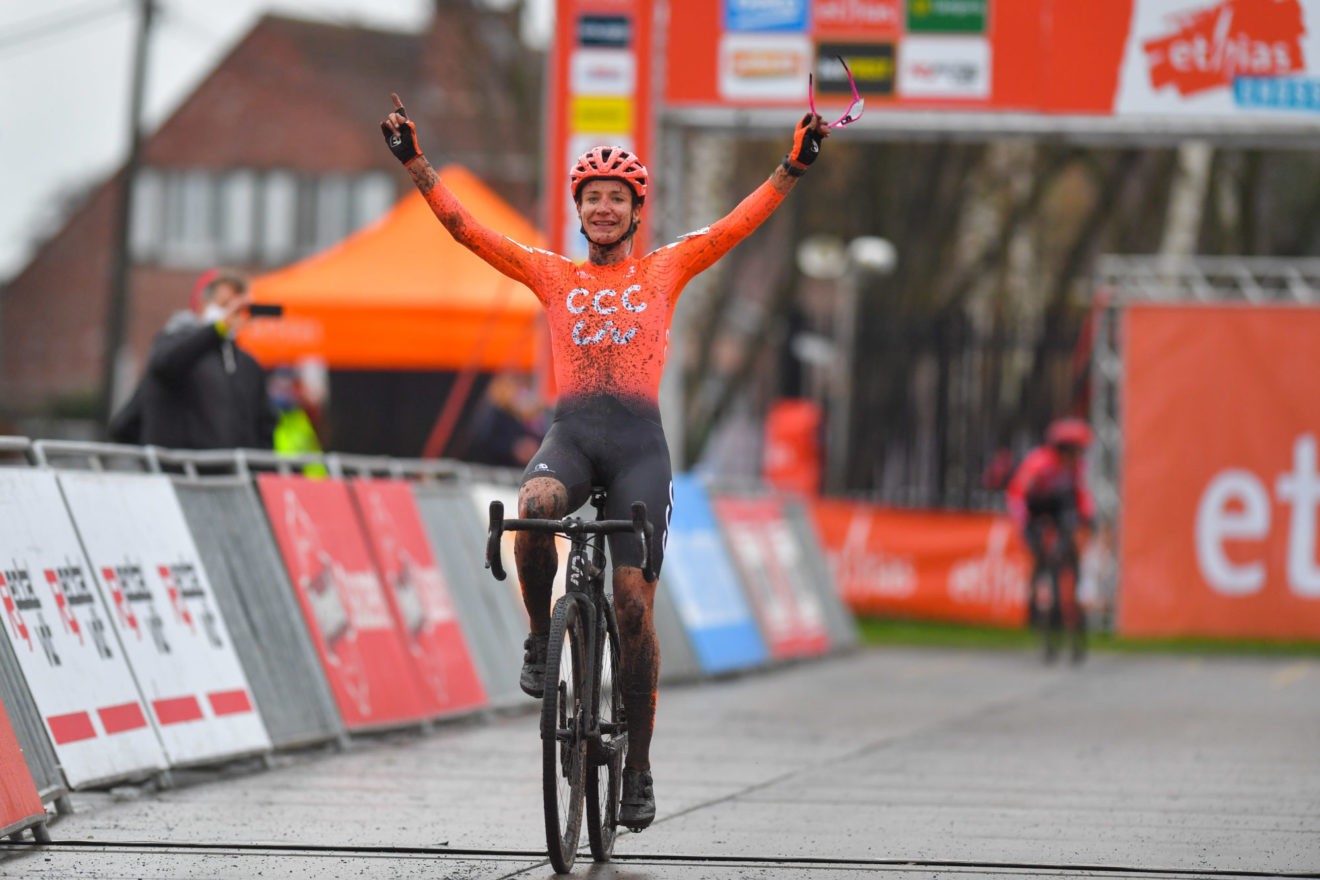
276 155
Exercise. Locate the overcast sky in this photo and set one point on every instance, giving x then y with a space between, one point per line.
64 86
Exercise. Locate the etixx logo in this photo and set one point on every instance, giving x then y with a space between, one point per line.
1236 507
1212 46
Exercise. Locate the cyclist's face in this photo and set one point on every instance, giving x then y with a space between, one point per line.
606 210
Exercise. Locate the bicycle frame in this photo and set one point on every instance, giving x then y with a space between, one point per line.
574 730
1059 558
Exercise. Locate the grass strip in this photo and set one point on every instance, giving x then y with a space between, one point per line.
943 634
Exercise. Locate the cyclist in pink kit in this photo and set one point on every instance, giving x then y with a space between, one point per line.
609 321
1049 488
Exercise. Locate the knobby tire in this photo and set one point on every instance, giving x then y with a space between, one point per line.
563 745
605 780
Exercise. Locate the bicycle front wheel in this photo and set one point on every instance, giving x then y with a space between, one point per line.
564 708
605 756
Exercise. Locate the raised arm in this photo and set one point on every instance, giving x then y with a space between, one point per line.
498 250
699 250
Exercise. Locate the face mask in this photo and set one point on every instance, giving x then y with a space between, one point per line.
212 313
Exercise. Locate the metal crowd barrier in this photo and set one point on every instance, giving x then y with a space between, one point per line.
816 574
256 599
229 524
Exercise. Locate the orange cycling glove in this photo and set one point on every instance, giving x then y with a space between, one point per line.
806 147
403 143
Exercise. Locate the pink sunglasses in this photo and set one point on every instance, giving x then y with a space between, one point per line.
858 103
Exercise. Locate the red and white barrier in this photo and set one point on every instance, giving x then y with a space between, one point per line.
362 650
165 613
64 637
765 552
418 593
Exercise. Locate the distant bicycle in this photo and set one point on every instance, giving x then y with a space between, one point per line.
1055 609
584 734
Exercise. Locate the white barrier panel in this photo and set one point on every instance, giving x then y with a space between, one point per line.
493 630
482 495
61 633
162 606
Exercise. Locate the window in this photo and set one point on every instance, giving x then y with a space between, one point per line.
198 218
278 212
147 222
237 216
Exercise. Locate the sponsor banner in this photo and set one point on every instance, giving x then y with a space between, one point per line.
161 604
63 636
1221 486
611 116
756 66
765 15
956 68
947 16
602 72
20 804
1221 57
605 31
704 583
361 648
942 566
1210 62
872 66
857 18
419 594
765 552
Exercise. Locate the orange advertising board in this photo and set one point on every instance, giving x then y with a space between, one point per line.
1197 60
359 642
966 567
1220 487
418 593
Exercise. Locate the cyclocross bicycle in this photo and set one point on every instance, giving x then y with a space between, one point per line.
1061 611
584 734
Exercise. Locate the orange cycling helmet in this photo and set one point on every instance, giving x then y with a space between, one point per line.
612 163
1069 432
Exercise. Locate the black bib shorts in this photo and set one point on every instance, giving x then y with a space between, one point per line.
606 441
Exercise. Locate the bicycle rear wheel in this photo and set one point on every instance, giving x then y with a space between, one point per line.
1051 620
605 758
1074 616
563 741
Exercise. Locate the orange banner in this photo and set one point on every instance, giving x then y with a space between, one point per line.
360 644
964 567
1220 485
1198 61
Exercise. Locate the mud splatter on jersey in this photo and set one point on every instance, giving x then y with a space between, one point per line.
609 325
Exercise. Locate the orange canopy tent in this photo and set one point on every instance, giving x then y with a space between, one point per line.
403 295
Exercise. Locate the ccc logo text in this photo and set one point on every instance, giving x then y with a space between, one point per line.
603 302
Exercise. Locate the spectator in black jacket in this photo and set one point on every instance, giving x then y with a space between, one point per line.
200 390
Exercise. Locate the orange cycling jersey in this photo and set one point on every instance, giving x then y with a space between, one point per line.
609 325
